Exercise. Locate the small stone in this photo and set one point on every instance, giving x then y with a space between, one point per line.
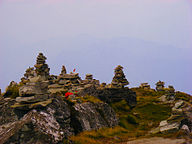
185 128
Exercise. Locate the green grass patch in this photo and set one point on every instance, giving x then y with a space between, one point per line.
154 112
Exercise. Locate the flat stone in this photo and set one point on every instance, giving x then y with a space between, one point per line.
24 99
70 76
178 104
170 127
163 123
54 86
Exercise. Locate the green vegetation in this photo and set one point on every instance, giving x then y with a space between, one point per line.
12 91
88 98
133 122
183 96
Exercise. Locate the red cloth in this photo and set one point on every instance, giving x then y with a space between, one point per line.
67 94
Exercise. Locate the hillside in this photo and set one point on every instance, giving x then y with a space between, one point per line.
45 108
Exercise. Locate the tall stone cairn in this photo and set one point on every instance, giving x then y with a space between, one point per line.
42 68
119 80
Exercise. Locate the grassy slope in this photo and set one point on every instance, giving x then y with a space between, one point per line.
134 123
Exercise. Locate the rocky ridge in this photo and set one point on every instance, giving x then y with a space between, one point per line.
46 108
49 108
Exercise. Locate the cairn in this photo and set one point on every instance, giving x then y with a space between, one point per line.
29 74
42 68
63 71
170 93
34 92
119 80
145 86
160 86
65 82
89 81
89 77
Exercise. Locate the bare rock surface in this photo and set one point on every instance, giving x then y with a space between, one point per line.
53 123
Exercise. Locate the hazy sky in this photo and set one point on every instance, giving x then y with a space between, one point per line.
151 39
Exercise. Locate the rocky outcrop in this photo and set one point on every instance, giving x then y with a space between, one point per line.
91 116
111 95
181 118
53 123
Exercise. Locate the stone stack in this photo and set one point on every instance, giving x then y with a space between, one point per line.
89 77
170 93
160 86
65 82
145 86
35 91
63 71
42 68
119 80
29 74
72 79
31 95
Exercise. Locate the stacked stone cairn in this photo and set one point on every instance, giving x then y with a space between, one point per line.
42 68
34 93
170 93
89 81
65 82
160 86
145 86
29 73
119 80
89 77
63 71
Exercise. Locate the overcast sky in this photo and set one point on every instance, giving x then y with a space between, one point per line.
151 39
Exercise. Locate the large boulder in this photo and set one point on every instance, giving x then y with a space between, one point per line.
91 116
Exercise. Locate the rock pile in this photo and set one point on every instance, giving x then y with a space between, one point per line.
160 86
170 93
65 82
90 81
119 80
63 71
89 77
144 86
42 68
181 117
34 92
